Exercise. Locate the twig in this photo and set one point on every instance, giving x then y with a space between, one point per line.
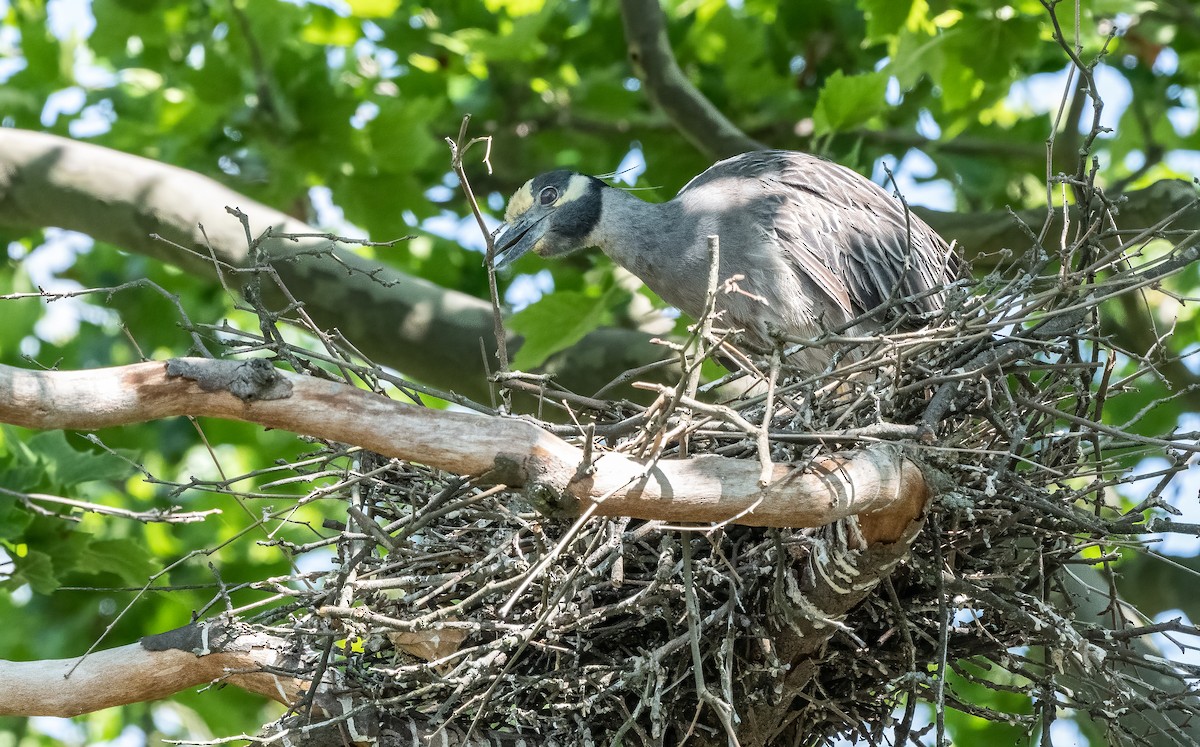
458 149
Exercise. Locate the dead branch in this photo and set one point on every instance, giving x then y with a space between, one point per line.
878 483
210 652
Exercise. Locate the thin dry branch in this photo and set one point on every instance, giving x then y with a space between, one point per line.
879 483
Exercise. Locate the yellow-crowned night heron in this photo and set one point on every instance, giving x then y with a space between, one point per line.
817 244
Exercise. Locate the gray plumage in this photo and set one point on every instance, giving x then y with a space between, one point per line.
818 244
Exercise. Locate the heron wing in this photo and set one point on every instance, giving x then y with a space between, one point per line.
859 245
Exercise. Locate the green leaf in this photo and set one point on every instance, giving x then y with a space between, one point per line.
20 469
847 101
400 134
885 17
370 200
960 87
14 519
48 461
514 8
124 558
992 50
516 46
13 100
36 569
122 21
67 466
44 53
20 314
918 54
327 28
518 41
554 323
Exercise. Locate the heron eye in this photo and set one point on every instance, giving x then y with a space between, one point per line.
548 195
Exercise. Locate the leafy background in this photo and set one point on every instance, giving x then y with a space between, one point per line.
336 112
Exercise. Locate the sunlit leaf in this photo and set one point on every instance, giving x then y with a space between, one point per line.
554 323
849 101
373 8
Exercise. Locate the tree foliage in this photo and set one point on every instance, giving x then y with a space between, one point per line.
336 114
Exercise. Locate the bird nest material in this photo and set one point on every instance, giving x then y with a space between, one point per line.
477 617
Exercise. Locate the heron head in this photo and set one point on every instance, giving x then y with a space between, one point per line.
552 215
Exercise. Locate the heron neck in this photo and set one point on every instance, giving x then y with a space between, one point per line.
652 241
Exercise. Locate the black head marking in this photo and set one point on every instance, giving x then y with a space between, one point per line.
579 203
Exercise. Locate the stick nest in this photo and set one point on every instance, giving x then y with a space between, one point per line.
455 607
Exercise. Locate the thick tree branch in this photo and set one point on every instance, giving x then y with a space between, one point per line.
670 90
217 651
882 494
879 484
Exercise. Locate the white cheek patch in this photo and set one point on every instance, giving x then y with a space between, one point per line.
521 201
577 186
